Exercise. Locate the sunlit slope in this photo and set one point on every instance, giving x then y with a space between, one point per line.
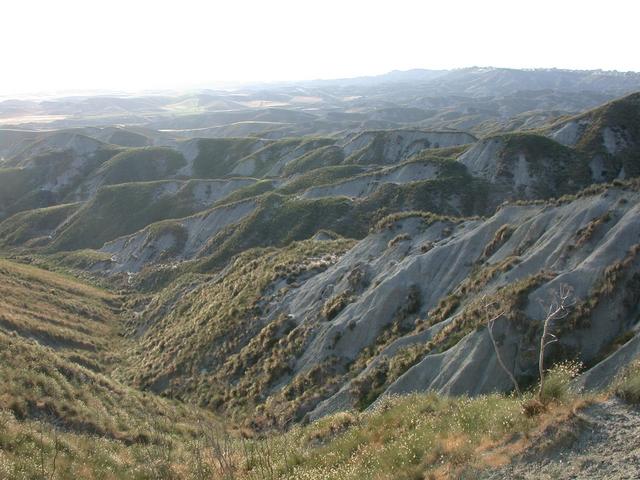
58 342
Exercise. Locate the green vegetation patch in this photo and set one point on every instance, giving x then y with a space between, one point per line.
405 438
78 260
555 168
280 220
321 176
55 310
141 165
627 386
294 148
326 156
24 226
255 190
217 157
14 184
119 210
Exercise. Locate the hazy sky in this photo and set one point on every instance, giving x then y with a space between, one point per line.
58 45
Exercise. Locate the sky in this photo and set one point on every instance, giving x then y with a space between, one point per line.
133 45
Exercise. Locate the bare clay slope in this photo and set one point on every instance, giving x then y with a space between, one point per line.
402 310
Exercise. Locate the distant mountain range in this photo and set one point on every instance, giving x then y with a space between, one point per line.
476 99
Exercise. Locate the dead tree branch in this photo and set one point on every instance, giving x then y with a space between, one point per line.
490 324
556 310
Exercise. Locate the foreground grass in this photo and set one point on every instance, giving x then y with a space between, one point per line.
406 438
33 450
413 437
421 436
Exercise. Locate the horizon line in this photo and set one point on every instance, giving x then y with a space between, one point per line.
234 85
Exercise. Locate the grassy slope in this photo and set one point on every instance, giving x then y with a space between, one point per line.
15 183
217 157
58 340
619 114
278 221
622 116
321 157
296 147
19 187
141 165
557 169
57 311
119 210
408 438
258 188
25 226
374 151
321 176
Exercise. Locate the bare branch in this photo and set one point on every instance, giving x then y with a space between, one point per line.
557 310
490 325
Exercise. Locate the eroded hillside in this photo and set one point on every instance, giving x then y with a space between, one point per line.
280 265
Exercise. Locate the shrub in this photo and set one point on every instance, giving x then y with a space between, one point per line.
557 386
586 233
629 385
336 304
501 236
397 239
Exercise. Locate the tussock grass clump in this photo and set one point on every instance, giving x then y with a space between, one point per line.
336 304
585 234
501 236
628 387
390 221
557 386
326 429
403 237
